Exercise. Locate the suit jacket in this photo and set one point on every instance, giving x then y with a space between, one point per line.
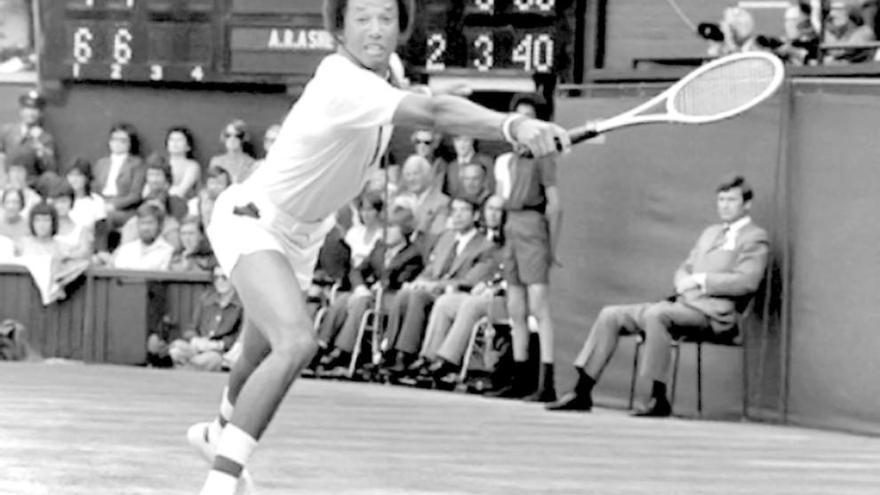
404 267
129 182
732 275
473 265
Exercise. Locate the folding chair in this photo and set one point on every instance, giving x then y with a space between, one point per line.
371 321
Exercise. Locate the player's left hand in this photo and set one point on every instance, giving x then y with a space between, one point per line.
541 138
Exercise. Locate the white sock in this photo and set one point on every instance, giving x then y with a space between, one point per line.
236 445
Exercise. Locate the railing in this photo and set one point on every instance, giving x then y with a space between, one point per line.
106 317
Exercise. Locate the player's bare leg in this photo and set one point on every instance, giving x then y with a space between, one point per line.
274 301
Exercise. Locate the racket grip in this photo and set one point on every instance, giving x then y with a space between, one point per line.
576 136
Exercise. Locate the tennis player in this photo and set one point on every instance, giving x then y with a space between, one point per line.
266 231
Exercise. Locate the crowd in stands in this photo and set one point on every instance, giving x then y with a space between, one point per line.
429 254
814 32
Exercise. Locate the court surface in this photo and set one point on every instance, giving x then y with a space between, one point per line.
106 430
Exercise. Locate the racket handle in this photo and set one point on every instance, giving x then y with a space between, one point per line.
576 136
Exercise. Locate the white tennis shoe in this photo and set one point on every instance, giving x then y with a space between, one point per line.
203 439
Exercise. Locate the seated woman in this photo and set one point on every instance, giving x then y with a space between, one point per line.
89 207
185 170
195 253
77 241
390 264
237 157
363 235
12 223
42 226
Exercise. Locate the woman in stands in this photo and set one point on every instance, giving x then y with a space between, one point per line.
76 240
43 225
237 157
185 170
266 231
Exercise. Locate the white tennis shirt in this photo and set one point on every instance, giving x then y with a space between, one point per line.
335 132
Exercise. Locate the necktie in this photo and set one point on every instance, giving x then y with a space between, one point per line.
450 260
721 238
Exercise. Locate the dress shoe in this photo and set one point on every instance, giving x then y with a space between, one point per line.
657 408
418 366
541 395
572 401
440 368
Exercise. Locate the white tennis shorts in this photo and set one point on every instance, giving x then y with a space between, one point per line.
234 235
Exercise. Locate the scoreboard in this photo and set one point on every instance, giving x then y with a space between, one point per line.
282 41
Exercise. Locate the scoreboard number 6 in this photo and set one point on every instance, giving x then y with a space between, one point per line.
121 52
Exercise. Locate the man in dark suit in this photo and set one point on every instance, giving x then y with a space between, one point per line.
721 274
127 189
392 263
460 258
30 136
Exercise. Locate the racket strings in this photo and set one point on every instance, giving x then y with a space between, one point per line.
725 88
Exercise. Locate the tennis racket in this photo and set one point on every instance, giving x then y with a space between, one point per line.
718 90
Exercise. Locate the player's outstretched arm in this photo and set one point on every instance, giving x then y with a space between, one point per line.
456 115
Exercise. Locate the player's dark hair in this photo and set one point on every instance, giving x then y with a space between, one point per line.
736 182
334 16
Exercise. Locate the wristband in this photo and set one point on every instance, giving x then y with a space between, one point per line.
507 125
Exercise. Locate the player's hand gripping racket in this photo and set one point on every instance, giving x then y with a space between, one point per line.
718 90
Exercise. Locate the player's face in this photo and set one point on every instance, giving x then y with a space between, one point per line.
731 205
371 31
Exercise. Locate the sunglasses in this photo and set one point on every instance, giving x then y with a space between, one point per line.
238 135
422 141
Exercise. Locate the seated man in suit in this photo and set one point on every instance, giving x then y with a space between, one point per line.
392 263
455 313
460 259
428 204
723 271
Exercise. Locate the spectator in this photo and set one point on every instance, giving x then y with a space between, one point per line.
425 144
29 136
42 226
236 159
460 259
269 138
455 313
534 217
202 206
12 223
185 170
17 179
428 204
801 43
737 32
465 153
215 327
362 236
88 207
392 263
332 267
473 183
195 252
721 273
845 26
76 240
149 251
119 177
158 193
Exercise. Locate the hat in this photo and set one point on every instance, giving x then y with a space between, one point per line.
32 99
